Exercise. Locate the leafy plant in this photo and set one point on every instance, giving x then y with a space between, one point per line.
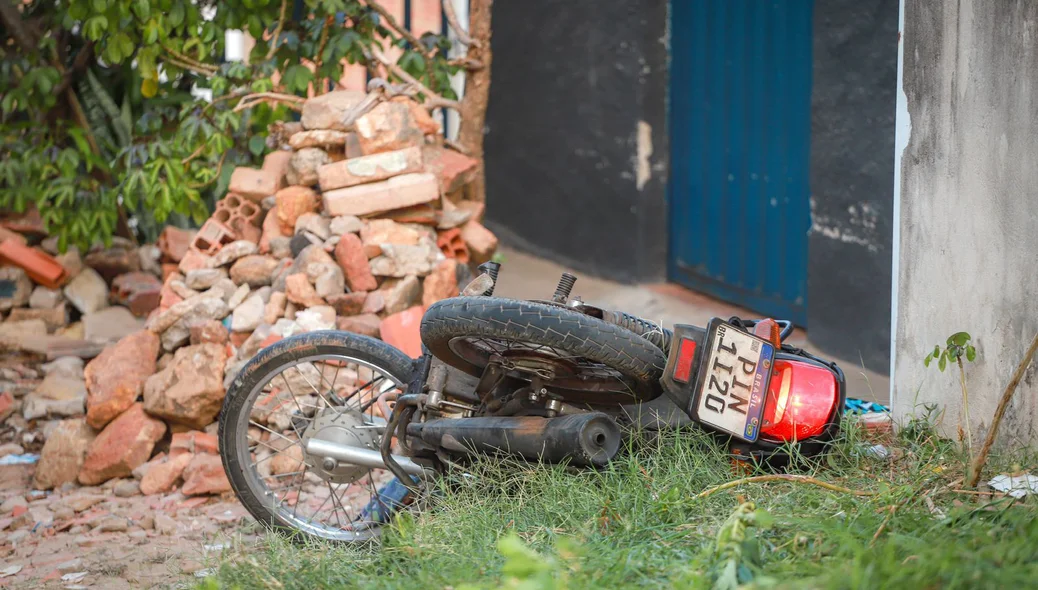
118 114
958 346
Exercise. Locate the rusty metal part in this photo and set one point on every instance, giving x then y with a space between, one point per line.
383 402
579 439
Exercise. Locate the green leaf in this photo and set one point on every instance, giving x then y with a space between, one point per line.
176 15
257 144
958 339
99 5
95 27
296 78
942 363
149 87
936 351
971 353
142 8
926 361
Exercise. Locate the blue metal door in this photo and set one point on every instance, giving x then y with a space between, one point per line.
740 107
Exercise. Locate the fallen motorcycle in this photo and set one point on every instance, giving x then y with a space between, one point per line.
330 433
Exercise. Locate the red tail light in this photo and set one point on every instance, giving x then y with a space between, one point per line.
801 397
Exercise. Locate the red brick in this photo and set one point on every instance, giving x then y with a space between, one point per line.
293 202
277 162
442 283
349 253
386 195
453 169
174 242
348 304
122 446
388 126
366 323
253 184
194 441
400 330
205 475
371 168
162 476
116 377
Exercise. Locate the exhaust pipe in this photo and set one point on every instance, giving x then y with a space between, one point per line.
580 439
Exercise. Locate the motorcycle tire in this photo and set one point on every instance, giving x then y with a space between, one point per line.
541 324
236 418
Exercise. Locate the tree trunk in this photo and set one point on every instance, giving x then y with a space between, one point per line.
477 92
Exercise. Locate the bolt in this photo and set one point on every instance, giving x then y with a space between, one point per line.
329 464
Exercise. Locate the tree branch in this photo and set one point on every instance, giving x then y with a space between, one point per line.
251 100
194 65
12 18
78 64
374 5
996 421
455 25
432 100
277 30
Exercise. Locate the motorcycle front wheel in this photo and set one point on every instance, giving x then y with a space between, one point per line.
320 384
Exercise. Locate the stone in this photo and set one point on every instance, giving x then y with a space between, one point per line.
208 306
114 261
203 278
345 224
249 315
126 489
482 242
271 229
398 192
13 503
349 253
71 260
442 283
115 379
14 334
388 126
193 441
371 168
255 270
276 162
205 475
400 330
239 296
423 119
453 169
400 294
400 261
375 302
110 324
320 138
223 289
66 366
56 396
366 323
281 247
113 524
289 460
125 443
293 202
11 449
164 473
174 242
329 110
53 319
141 292
347 304
386 231
254 184
302 170
330 281
150 256
190 390
88 291
318 317
8 405
274 309
314 224
165 525
44 298
194 260
209 332
180 289
299 291
234 251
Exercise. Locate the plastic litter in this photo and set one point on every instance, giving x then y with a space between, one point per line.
1016 486
26 459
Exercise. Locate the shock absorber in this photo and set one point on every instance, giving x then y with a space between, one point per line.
565 287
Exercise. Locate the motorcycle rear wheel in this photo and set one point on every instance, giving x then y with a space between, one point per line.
319 380
606 364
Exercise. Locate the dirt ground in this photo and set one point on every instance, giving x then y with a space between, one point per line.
88 537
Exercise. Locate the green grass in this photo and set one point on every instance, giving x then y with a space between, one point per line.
638 524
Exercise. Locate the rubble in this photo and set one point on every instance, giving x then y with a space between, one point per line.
358 227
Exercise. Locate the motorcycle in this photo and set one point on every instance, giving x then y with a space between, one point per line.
329 434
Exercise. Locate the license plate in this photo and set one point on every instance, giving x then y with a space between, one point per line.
733 381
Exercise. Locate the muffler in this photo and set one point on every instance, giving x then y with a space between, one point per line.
579 439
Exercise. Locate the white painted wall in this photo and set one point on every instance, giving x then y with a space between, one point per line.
966 206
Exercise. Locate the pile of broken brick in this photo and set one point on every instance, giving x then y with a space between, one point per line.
116 362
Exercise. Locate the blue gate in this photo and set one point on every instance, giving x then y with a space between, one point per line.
740 108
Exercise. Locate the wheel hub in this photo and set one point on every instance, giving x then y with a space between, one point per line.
344 427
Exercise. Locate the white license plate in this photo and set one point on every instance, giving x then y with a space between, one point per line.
733 382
